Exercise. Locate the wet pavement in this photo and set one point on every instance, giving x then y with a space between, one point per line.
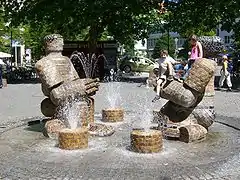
26 154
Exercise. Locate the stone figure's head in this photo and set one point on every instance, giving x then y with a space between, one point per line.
53 43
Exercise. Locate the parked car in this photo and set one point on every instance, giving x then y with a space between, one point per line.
136 64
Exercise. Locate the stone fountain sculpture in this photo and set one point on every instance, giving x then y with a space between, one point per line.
60 81
185 97
58 76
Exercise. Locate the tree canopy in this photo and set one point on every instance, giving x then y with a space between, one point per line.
122 19
193 16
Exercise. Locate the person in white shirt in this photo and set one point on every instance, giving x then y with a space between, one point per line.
166 71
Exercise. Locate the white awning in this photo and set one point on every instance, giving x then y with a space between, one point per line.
4 55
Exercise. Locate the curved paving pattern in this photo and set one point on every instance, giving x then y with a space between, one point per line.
26 154
29 155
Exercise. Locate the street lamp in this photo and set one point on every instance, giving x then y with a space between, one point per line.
176 46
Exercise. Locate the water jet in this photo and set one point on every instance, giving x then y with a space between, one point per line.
113 112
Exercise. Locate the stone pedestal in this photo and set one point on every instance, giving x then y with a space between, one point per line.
192 133
209 90
52 128
97 129
112 115
146 141
71 139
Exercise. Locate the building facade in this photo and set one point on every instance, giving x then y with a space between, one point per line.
153 38
226 36
179 41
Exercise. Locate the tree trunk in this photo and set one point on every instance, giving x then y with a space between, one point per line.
95 32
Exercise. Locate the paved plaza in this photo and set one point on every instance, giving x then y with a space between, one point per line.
26 154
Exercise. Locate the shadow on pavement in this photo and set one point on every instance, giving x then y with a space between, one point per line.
35 127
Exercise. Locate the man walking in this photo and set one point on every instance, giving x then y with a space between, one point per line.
226 73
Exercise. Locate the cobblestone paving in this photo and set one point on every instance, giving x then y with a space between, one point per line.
26 154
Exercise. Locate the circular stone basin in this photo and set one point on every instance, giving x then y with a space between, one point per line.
71 139
112 115
143 141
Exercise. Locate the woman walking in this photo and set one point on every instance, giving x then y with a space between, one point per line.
226 73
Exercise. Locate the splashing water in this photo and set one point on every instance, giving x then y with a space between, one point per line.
72 112
88 62
145 116
113 96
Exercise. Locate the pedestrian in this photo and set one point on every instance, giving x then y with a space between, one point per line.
226 73
166 72
1 72
196 52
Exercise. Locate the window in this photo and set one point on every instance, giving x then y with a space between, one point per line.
226 39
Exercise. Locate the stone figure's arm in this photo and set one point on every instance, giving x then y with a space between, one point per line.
48 73
73 89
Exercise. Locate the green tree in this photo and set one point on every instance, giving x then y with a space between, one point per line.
198 17
162 44
122 19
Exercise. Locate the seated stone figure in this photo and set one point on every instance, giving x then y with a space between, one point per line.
184 97
60 81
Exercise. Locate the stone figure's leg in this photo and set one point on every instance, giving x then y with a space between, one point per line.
204 112
178 113
45 90
176 92
200 74
48 109
183 98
